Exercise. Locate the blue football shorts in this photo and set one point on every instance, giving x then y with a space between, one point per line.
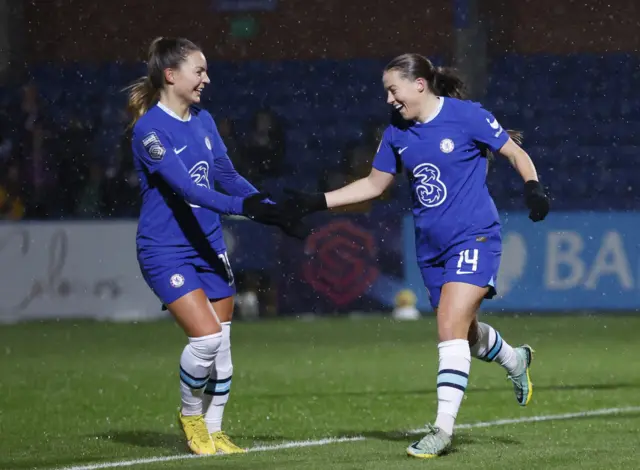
475 261
170 280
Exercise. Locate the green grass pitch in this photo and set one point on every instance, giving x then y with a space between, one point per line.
76 394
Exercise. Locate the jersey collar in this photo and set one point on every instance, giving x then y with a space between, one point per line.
172 114
435 113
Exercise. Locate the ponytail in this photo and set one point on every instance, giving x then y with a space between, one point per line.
442 81
447 83
142 95
516 136
164 53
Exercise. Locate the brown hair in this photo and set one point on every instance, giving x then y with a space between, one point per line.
442 81
164 53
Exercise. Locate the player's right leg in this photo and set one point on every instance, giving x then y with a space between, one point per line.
180 290
453 367
487 345
456 309
217 280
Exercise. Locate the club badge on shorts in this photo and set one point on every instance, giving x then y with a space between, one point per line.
177 280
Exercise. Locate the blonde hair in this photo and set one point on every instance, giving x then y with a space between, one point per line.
142 95
164 53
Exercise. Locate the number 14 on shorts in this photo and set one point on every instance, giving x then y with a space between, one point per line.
467 261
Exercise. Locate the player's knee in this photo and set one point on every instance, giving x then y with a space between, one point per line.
225 315
208 324
206 347
211 327
451 326
473 334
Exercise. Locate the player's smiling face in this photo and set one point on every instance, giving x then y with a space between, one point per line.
191 77
403 94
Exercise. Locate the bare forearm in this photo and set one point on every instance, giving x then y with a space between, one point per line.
358 191
520 160
524 166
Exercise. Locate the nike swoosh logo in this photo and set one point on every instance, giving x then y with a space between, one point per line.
494 124
402 150
179 151
464 272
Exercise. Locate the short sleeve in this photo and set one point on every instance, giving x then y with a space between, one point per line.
485 128
386 159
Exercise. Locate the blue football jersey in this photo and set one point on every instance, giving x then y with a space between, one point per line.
175 160
445 165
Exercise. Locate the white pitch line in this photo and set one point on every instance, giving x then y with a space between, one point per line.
535 419
297 444
337 440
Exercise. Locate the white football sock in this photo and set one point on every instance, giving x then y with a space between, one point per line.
195 367
453 377
216 393
491 347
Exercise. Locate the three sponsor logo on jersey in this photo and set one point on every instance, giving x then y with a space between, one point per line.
431 190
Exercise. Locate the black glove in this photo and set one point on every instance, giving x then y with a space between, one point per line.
257 207
536 200
300 204
296 229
